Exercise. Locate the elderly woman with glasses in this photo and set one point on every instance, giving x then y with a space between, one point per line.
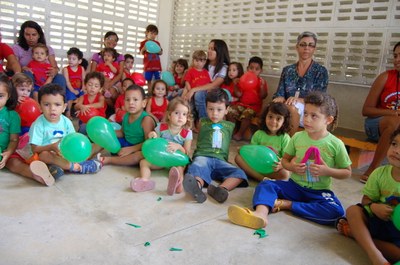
110 91
299 79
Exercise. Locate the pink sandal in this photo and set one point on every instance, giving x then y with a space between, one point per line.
173 180
140 185
41 173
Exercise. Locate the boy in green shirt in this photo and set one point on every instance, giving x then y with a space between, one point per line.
210 160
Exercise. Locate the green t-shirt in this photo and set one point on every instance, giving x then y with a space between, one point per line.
10 123
133 132
212 134
332 151
381 185
277 142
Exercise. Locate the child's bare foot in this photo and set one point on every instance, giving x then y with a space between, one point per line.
343 227
281 204
237 137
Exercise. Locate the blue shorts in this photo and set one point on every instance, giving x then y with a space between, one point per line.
382 230
71 96
148 75
210 168
371 127
124 142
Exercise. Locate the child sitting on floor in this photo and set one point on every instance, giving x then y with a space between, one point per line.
210 160
177 131
92 100
273 134
136 126
158 102
308 191
48 130
369 222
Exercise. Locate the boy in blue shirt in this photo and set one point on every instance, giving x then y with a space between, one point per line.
48 130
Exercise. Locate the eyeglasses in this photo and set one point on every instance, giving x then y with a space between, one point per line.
112 39
303 45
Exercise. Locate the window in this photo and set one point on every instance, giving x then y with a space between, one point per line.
82 23
355 41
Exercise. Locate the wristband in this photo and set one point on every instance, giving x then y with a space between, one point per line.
367 207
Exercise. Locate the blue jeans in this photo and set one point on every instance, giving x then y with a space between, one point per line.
210 168
59 79
320 206
200 103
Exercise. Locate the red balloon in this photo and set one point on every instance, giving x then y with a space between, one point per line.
88 115
28 110
139 79
249 80
119 116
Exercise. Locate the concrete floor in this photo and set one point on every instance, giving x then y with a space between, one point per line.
82 219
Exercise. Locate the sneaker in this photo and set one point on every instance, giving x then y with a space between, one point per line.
218 193
56 171
90 166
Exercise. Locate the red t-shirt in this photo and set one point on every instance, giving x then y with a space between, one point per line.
105 69
120 102
102 111
151 61
75 78
5 51
389 96
39 70
158 111
197 78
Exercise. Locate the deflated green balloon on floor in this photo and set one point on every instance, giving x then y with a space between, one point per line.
155 151
260 158
101 132
75 147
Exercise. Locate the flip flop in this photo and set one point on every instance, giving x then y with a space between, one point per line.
173 179
245 217
192 187
345 226
364 179
218 193
140 185
41 173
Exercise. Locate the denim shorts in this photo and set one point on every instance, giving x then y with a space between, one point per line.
371 127
210 168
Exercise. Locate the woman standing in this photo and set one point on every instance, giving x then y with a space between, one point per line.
31 34
299 79
382 109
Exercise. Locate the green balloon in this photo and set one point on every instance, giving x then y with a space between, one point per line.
260 158
155 151
75 147
101 132
396 217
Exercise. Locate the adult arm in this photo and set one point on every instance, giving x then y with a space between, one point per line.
370 107
13 64
53 70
